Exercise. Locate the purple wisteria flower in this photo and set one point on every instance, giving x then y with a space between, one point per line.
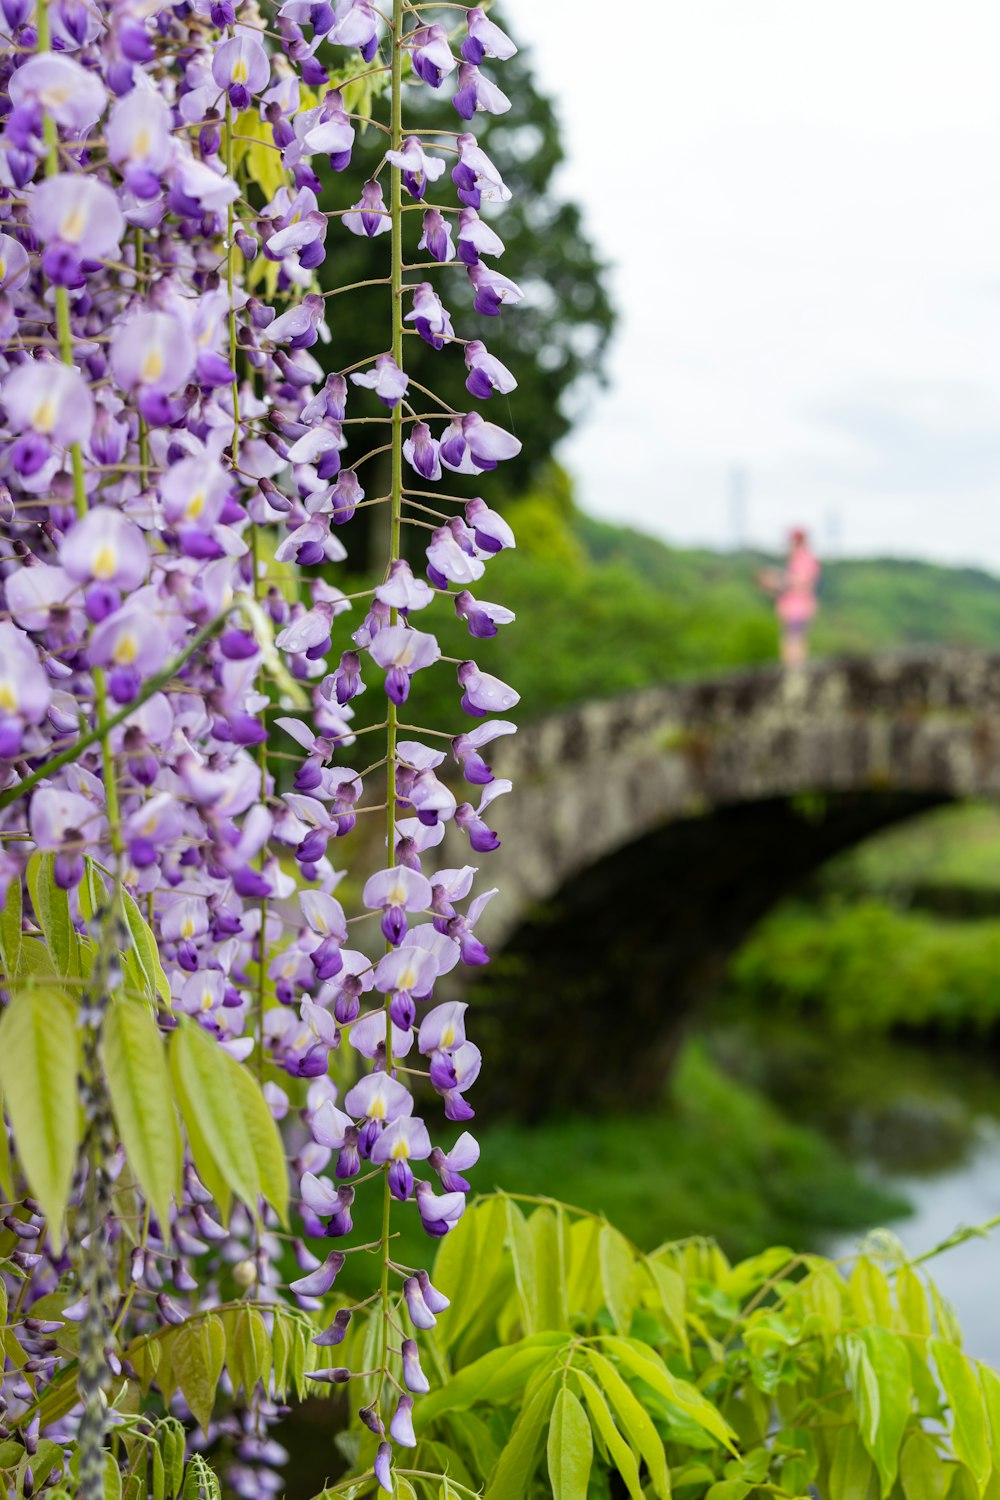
369 215
179 652
386 379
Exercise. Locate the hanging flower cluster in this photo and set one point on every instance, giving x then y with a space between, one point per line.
175 465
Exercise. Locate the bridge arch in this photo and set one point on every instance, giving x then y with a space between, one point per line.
650 832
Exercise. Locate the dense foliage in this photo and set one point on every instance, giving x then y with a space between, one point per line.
571 1364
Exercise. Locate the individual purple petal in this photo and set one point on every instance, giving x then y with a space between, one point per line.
106 546
401 1423
69 94
387 380
317 1283
383 1467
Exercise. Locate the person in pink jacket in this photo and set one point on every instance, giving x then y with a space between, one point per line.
794 591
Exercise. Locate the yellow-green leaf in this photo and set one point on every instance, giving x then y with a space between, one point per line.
145 950
635 1420
10 931
570 1448
142 1100
39 1061
198 1353
519 1459
51 908
621 1454
253 1350
261 1135
969 1433
203 1078
680 1393
618 1276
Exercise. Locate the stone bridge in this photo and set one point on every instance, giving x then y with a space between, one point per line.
648 833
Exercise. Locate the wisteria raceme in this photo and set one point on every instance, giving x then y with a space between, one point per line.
178 665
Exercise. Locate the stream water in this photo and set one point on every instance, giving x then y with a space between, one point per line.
961 1194
921 1121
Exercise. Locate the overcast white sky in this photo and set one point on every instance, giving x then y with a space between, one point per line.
801 202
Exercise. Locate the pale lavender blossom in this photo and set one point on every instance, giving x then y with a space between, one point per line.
429 316
58 86
431 54
418 169
421 452
436 236
485 39
439 1213
105 546
480 615
476 177
476 92
483 693
476 238
50 405
241 67
493 290
77 219
369 216
404 1139
402 651
386 379
402 591
486 373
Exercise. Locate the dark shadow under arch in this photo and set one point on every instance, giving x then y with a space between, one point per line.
588 1001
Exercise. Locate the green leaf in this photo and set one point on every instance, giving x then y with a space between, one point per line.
157 1474
635 1420
546 1232
870 1293
142 1099
51 908
621 1454
6 1169
944 1316
11 1453
198 1353
10 931
203 1078
921 1472
583 1277
618 1276
570 1448
853 1476
880 1379
519 1459
253 1350
964 1394
260 1134
91 893
912 1301
284 1335
991 1394
671 1295
642 1362
466 1265
39 1061
145 950
522 1251
496 1377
